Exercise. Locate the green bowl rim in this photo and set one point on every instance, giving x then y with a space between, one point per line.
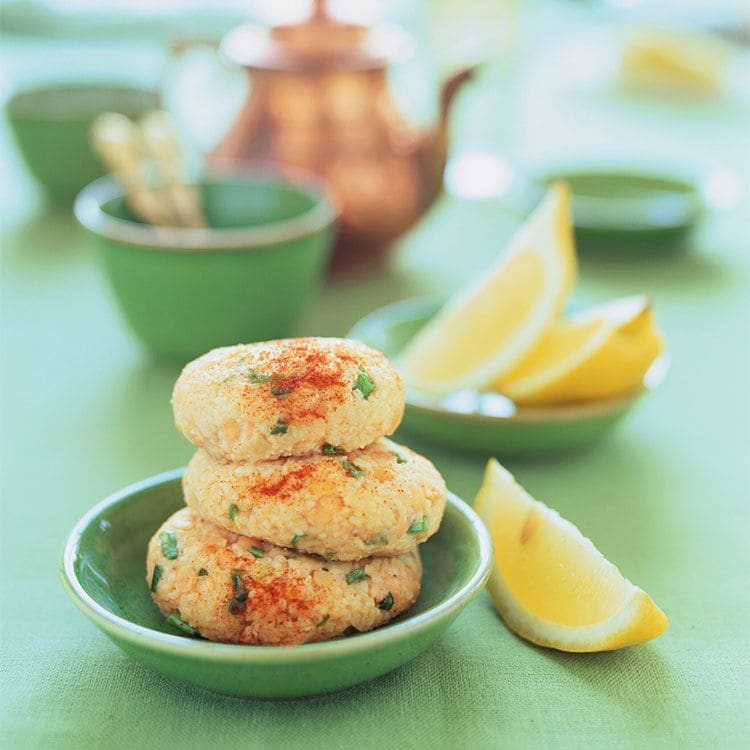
88 210
15 94
523 414
226 652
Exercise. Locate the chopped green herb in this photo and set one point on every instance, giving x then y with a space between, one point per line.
177 621
387 602
379 539
256 377
351 630
155 577
418 526
364 383
356 574
168 542
238 603
202 572
232 512
276 391
257 551
332 450
297 538
280 428
323 621
353 469
330 556
399 458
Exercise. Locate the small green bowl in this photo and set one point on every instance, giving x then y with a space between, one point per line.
103 571
51 126
629 211
489 423
247 278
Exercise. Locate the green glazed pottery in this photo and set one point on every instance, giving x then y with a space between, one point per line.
246 278
104 572
620 210
489 423
51 126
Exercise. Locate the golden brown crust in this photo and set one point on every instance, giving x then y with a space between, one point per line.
277 598
254 402
382 500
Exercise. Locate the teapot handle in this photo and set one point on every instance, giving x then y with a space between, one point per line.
190 85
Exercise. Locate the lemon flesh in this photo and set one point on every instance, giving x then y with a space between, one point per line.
485 329
550 584
597 354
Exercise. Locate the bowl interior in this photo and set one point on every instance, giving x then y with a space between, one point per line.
628 201
80 101
238 202
108 558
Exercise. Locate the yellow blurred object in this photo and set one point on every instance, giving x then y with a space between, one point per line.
550 584
599 353
487 328
665 60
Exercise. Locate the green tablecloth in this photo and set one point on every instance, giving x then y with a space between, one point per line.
85 412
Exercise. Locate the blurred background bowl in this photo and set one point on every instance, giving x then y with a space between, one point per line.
51 126
246 278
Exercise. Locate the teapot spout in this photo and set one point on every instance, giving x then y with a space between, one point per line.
449 90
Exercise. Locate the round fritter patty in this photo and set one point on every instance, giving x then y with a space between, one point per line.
290 397
381 500
237 589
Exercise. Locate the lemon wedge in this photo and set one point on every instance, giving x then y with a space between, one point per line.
599 353
550 584
485 329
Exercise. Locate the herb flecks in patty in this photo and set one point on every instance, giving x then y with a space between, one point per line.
323 621
257 377
418 526
202 572
399 458
296 539
238 602
331 450
176 621
386 602
280 428
168 542
256 551
364 383
232 512
356 574
156 575
379 539
353 469
280 391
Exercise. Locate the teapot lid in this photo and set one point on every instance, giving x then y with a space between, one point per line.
318 44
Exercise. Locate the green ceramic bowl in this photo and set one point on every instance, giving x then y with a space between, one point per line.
103 571
620 210
247 278
489 423
51 126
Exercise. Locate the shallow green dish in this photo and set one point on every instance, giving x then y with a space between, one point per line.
246 278
489 423
103 571
621 210
51 126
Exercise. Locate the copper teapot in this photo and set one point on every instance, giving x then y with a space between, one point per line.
319 100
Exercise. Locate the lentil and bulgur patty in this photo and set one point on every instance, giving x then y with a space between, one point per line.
381 500
234 588
290 397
